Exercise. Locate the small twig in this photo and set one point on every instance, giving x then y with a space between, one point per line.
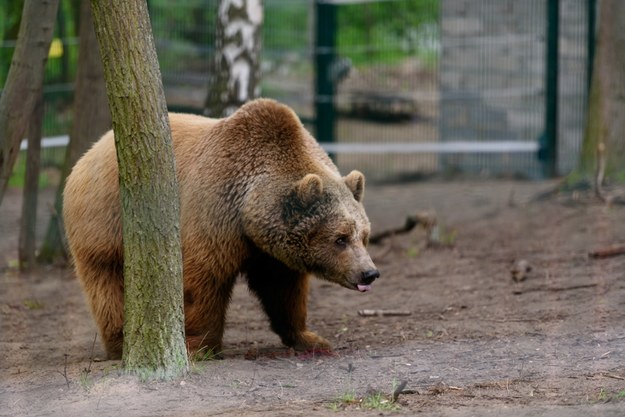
87 370
64 373
379 313
607 252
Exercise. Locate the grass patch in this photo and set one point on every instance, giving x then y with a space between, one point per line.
33 304
379 401
205 354
343 401
373 401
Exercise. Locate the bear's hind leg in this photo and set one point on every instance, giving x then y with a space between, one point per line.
283 294
104 286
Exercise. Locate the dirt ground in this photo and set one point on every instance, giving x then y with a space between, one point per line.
474 342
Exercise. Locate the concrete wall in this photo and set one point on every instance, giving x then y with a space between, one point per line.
492 80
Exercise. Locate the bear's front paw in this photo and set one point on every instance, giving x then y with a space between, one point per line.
307 340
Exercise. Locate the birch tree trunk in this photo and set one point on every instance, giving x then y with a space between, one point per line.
24 80
154 342
235 78
91 119
604 137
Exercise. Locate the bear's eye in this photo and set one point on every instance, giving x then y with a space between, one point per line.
342 241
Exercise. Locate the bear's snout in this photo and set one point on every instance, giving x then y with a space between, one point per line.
369 276
366 278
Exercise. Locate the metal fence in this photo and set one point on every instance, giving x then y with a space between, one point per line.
415 86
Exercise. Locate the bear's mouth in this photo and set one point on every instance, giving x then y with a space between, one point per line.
363 288
356 287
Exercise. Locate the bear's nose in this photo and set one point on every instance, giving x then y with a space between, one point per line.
369 276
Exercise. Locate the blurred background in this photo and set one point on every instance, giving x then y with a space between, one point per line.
417 86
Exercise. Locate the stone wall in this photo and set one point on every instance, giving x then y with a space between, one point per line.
492 80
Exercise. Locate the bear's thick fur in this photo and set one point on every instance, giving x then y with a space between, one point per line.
259 197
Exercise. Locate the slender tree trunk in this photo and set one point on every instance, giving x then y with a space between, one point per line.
24 80
235 78
28 222
605 126
91 119
154 342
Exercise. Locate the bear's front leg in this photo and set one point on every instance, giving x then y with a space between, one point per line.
283 294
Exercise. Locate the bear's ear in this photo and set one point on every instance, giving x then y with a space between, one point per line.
309 188
355 181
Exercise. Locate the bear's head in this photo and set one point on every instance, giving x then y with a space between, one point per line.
317 225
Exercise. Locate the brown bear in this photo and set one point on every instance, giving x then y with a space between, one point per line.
259 197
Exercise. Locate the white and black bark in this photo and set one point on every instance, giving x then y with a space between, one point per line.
235 75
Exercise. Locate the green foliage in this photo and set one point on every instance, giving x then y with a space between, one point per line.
285 25
59 69
387 31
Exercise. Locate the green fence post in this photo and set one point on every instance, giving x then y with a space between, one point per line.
548 152
325 43
591 28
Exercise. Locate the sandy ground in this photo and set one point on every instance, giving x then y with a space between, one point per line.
475 342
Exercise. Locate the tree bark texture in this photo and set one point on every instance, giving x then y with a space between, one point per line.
235 78
91 119
605 122
154 342
24 80
28 222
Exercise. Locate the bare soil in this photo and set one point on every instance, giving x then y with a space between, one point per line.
475 341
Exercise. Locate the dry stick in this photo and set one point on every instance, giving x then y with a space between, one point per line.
91 359
64 373
607 252
554 289
387 313
411 222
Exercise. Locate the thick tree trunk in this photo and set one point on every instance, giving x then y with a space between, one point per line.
605 125
154 343
24 80
235 78
28 222
91 119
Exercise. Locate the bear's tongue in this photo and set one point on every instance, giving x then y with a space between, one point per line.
364 288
